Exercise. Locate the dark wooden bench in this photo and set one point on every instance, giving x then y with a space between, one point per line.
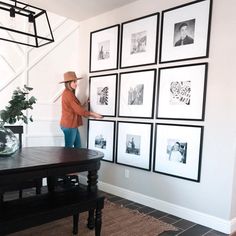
32 211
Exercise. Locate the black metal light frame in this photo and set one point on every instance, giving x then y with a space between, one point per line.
20 8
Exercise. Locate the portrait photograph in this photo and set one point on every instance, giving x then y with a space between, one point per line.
134 144
104 49
137 90
178 150
185 32
139 41
101 137
182 92
104 90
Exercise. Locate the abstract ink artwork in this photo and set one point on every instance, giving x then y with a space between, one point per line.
182 92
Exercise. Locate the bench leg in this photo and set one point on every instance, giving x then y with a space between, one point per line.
98 222
91 221
38 183
20 193
75 223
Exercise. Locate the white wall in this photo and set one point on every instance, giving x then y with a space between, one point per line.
210 201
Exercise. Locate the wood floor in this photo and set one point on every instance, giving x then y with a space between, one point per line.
186 228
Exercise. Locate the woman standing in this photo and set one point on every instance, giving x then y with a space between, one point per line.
72 111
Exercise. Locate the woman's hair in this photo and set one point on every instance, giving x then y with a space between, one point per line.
68 86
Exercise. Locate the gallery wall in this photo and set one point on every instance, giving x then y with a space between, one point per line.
209 202
212 201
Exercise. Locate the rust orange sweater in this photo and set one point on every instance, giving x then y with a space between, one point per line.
72 111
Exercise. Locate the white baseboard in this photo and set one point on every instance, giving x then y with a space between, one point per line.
233 225
182 212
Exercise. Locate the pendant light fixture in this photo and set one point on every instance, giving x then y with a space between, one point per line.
24 24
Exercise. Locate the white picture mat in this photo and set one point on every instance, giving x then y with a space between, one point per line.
198 11
110 34
143 130
107 130
195 74
130 80
103 81
191 135
148 24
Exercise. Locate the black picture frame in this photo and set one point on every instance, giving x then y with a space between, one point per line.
101 136
134 144
178 151
182 92
136 94
103 94
139 38
104 49
192 20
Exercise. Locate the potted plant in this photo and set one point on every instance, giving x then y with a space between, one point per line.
13 112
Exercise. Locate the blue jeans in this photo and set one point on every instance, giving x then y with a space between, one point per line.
72 137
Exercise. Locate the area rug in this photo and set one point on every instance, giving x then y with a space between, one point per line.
116 221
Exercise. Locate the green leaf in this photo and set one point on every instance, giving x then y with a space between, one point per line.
19 102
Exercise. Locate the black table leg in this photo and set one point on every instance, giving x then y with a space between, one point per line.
98 222
91 221
51 182
92 181
75 223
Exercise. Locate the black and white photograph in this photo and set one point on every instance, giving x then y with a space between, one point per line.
178 150
137 91
139 41
135 95
100 141
104 49
182 92
134 144
104 90
185 32
101 137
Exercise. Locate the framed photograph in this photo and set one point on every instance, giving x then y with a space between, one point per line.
185 31
134 144
137 90
104 45
101 137
103 93
178 150
182 92
139 41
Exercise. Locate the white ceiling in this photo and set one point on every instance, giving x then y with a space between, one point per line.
78 9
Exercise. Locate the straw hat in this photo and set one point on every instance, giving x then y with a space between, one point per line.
70 76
